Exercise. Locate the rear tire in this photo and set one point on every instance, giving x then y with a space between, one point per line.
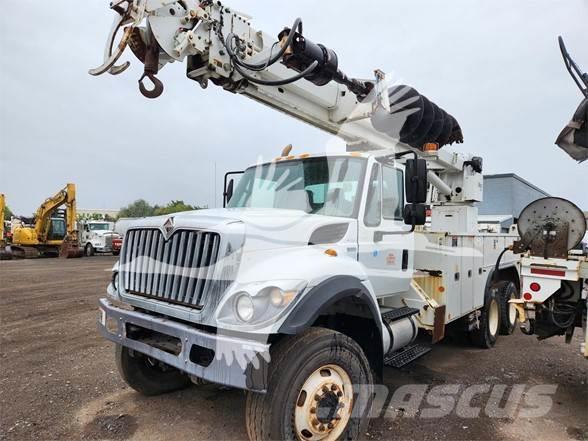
89 250
508 313
489 322
147 376
313 390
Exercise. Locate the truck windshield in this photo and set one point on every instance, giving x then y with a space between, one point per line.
99 227
327 186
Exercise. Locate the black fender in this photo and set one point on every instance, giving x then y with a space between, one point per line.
490 280
321 297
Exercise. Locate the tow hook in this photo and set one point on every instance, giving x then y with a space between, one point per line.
528 327
527 324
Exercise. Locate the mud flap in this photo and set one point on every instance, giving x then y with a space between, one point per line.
439 324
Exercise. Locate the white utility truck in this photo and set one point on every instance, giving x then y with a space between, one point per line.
319 271
97 237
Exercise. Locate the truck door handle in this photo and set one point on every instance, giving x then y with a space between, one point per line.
404 260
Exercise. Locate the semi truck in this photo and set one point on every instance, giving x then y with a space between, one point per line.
98 237
319 271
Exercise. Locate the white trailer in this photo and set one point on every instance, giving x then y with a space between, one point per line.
319 272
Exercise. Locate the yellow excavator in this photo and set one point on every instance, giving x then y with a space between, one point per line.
50 235
4 255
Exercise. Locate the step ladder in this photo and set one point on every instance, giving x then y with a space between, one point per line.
406 355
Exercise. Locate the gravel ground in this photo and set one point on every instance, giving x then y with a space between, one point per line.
58 379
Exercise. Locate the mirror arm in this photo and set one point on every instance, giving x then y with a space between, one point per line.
379 235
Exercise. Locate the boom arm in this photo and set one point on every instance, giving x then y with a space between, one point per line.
67 197
291 74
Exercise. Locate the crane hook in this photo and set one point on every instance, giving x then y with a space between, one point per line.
157 86
151 68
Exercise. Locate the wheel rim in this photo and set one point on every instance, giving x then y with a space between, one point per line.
493 315
512 310
324 404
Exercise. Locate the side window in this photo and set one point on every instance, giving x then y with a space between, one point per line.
393 193
373 207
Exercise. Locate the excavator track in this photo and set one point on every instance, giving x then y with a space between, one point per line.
22 252
5 253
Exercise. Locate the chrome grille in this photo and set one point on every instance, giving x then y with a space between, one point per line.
178 270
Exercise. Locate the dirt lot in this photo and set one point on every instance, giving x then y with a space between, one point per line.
58 379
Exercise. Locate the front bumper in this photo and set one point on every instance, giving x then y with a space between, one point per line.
235 362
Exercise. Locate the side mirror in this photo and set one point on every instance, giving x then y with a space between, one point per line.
416 181
415 214
229 191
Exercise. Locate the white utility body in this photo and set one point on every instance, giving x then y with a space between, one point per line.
319 267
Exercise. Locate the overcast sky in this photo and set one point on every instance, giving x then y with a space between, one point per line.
494 65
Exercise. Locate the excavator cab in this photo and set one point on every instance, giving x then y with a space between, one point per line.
57 229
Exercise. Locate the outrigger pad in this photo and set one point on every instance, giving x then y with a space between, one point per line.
574 137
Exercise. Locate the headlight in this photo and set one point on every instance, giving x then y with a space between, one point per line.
112 289
258 303
244 307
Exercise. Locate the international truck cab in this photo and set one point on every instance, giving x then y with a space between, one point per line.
313 249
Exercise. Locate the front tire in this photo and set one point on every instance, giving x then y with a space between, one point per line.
89 250
489 322
147 376
319 388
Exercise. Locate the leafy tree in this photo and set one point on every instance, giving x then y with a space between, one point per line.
139 208
174 207
7 213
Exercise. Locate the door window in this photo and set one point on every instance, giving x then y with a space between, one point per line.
373 207
393 193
